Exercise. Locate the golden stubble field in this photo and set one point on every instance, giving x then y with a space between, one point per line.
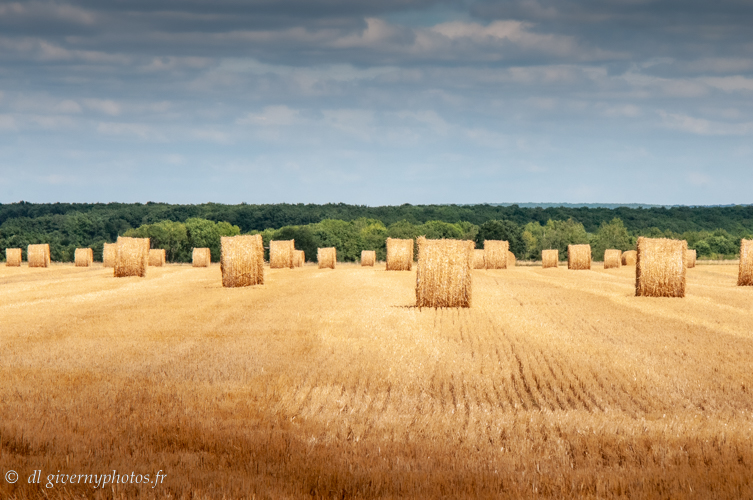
328 383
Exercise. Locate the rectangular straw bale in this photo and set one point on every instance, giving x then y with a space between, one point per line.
495 254
109 254
443 277
83 257
478 259
281 254
368 257
201 257
38 255
157 257
690 257
300 258
132 257
660 267
550 258
399 254
629 258
511 260
13 257
745 273
579 257
327 257
242 260
612 259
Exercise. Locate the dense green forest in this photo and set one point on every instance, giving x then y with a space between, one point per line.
715 232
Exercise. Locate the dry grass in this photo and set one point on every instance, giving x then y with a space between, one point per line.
109 254
157 257
612 259
553 385
495 254
660 269
443 276
132 258
511 260
201 257
13 257
242 260
326 257
690 257
478 259
368 258
579 257
83 257
745 271
38 255
629 258
399 254
550 258
282 254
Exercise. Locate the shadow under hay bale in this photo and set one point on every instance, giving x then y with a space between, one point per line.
13 257
443 277
550 258
495 254
745 272
157 257
690 257
201 257
660 267
629 258
83 257
326 257
579 257
132 257
38 255
242 260
368 258
109 254
399 254
281 254
612 259
478 259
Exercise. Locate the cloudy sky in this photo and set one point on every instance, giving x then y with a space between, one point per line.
377 102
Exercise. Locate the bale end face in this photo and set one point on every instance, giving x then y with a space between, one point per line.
511 260
132 257
550 258
690 257
443 277
495 254
579 257
201 257
629 258
612 259
368 258
13 257
83 257
38 255
242 260
660 268
399 254
281 254
745 273
326 257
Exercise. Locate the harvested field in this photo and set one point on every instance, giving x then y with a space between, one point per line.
331 384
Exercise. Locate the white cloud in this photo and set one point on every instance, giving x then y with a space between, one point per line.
68 106
125 129
7 123
272 116
700 126
729 83
105 106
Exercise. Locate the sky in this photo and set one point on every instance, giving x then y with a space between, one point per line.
377 102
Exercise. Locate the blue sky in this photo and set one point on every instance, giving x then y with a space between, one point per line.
390 102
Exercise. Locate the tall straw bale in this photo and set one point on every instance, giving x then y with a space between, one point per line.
13 257
368 257
550 258
511 260
443 277
132 257
201 257
242 260
745 274
478 259
83 257
327 257
300 258
281 254
109 254
660 267
399 254
495 254
612 259
157 257
629 258
690 257
579 257
38 255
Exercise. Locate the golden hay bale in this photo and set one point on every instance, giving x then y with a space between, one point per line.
690 257
443 275
612 259
579 257
13 257
132 257
745 274
242 260
38 255
478 259
109 254
660 267
511 260
157 257
368 257
495 254
281 254
326 257
629 258
83 257
550 258
300 258
399 254
201 257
